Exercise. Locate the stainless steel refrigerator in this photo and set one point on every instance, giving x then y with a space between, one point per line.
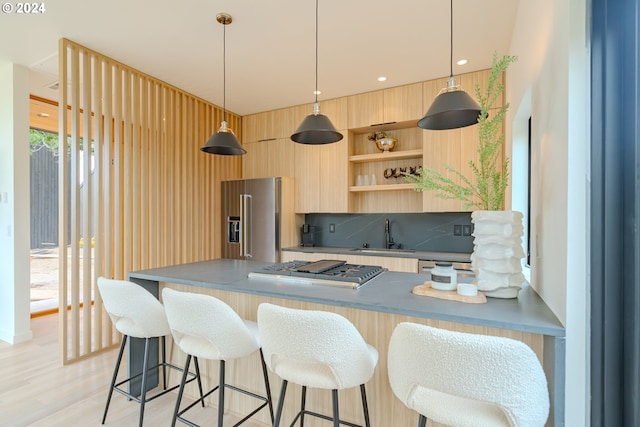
252 219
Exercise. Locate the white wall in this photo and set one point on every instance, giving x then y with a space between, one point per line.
14 204
550 80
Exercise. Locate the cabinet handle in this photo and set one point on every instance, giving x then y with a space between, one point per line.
383 124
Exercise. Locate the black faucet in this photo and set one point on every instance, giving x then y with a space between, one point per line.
388 240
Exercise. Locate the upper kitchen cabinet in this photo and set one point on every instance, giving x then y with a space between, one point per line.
287 120
366 109
321 176
272 157
272 125
258 127
454 147
395 105
336 110
403 104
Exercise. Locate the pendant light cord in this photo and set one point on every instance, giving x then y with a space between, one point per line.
316 91
451 42
224 72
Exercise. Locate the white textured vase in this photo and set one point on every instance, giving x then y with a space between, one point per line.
497 252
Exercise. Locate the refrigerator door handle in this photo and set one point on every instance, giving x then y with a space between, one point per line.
241 225
245 223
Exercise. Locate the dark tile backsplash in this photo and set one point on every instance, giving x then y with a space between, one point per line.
419 231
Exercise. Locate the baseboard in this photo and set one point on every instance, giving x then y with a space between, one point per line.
9 337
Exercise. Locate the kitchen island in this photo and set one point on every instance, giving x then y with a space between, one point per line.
375 309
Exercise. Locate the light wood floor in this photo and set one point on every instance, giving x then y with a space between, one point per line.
36 390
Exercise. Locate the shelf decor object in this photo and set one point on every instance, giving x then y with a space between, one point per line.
316 128
384 141
224 141
453 107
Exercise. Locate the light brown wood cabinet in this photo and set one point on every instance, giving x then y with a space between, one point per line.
325 175
393 105
454 147
258 127
267 158
321 173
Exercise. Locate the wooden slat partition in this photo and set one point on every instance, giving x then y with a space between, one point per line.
138 192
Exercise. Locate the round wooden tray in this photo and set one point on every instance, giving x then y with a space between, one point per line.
426 290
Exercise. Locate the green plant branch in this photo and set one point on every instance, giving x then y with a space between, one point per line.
487 188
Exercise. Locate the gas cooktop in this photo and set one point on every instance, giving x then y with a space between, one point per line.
324 272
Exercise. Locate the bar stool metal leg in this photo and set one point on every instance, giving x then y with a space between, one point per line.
336 415
181 390
283 391
422 421
221 395
195 361
267 385
303 404
115 375
145 373
164 363
365 407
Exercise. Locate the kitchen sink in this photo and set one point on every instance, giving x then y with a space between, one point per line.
381 250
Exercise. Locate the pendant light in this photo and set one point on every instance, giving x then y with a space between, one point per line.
224 141
316 128
453 107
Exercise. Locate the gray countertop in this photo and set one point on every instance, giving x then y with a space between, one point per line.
390 292
397 253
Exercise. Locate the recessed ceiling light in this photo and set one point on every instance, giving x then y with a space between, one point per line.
317 92
462 62
382 78
43 115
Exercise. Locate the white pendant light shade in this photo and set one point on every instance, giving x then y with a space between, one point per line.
224 141
453 107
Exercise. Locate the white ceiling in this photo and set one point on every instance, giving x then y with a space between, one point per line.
270 44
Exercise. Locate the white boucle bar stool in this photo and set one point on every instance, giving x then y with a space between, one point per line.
204 326
136 313
462 379
315 349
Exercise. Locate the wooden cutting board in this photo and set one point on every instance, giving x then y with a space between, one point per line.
426 290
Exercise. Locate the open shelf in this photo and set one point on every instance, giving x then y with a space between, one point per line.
383 157
383 187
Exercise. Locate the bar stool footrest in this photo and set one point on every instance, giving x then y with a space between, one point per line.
325 417
210 392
